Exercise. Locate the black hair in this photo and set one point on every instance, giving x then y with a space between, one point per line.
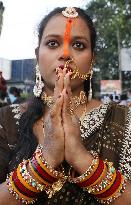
27 140
15 90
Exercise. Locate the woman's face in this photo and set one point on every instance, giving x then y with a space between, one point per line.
51 50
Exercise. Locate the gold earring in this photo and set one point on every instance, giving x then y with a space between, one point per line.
90 91
39 84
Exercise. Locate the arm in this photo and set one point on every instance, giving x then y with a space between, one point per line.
6 197
125 198
53 144
78 157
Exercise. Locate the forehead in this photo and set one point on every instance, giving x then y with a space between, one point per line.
57 25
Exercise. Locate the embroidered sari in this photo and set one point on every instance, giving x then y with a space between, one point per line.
106 130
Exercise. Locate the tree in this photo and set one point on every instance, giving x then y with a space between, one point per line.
112 19
1 15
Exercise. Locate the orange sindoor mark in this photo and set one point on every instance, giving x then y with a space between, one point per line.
67 36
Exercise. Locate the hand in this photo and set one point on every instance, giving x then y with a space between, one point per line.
53 129
74 149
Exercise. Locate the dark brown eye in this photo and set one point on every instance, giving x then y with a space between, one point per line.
79 45
52 44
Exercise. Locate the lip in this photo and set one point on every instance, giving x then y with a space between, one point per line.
68 68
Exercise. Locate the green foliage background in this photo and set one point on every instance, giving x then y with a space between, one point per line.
112 20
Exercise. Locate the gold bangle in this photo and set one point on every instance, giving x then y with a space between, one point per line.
24 182
48 168
117 191
37 176
22 196
90 171
43 166
28 178
108 185
101 176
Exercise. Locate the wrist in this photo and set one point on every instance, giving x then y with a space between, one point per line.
83 160
49 160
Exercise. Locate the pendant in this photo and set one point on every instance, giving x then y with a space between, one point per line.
56 186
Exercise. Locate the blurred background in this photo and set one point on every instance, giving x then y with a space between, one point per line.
18 38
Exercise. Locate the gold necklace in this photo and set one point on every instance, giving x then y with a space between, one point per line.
75 101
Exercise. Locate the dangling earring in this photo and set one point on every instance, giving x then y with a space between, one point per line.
38 83
90 91
91 73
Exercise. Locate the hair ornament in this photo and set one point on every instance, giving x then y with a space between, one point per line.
70 12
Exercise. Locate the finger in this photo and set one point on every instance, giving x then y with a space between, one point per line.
59 84
66 106
57 107
67 83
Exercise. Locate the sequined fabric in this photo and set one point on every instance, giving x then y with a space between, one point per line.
106 129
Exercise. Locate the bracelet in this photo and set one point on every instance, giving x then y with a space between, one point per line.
113 188
17 194
25 188
28 178
106 182
36 173
90 171
48 168
96 176
115 195
43 171
106 189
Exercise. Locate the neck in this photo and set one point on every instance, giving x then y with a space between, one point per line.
75 100
75 91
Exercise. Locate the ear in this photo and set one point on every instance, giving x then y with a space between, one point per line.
37 54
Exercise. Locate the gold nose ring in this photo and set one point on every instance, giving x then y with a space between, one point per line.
75 71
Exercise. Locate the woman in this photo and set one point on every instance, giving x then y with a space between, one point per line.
69 142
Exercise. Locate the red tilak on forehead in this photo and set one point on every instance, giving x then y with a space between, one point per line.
70 13
67 36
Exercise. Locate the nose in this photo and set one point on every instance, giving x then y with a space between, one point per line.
65 58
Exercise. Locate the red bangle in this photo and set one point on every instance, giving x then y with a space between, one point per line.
45 175
113 188
21 188
40 171
95 176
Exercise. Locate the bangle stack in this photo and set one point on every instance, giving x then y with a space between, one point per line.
102 180
25 188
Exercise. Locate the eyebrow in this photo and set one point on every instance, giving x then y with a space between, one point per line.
59 36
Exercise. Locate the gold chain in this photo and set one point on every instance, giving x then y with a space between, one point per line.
74 102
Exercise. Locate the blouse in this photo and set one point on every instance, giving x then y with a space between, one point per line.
105 129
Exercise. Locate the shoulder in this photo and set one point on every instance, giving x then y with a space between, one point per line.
13 111
111 112
9 112
9 122
10 116
119 111
93 104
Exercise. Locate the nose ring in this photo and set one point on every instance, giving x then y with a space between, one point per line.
75 71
